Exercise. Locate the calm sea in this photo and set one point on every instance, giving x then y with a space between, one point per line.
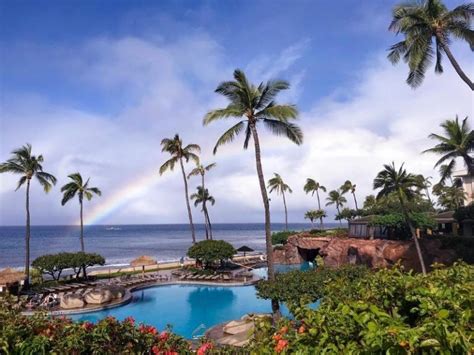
119 244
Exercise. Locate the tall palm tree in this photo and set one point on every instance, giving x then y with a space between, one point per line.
349 186
425 24
28 166
201 170
457 142
81 189
406 186
314 186
449 197
202 196
314 214
252 105
335 197
277 184
180 154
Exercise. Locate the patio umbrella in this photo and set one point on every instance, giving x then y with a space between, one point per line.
10 276
244 249
143 261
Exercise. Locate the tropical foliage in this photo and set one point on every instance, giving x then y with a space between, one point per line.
54 264
41 334
281 237
315 214
396 222
347 214
277 184
428 28
81 189
336 198
28 166
348 186
202 197
406 186
179 155
387 311
457 142
253 105
210 251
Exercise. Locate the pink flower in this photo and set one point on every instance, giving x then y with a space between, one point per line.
281 345
204 348
130 320
164 336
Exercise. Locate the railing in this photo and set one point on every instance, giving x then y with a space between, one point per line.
196 335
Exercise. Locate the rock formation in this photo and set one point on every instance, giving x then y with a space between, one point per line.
374 253
98 296
70 301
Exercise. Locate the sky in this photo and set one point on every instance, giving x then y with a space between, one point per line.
95 86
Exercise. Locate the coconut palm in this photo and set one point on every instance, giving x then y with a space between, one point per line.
449 197
253 105
81 189
406 186
457 142
314 186
277 184
428 27
349 186
28 166
336 198
180 154
425 184
202 196
202 170
314 214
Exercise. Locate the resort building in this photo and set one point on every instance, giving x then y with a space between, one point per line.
467 184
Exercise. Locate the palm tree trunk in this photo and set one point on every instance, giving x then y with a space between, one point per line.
186 195
266 205
453 61
82 227
339 212
208 219
413 234
355 201
319 208
28 235
286 211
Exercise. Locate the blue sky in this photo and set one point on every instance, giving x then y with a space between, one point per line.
95 86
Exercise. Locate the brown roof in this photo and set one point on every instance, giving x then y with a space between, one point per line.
143 260
9 276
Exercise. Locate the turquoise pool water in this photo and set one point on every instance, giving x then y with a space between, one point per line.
187 307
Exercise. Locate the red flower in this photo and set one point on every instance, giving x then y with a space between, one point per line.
284 330
301 329
87 326
155 350
164 336
130 320
277 337
281 345
204 348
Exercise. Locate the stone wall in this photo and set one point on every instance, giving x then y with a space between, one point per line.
373 253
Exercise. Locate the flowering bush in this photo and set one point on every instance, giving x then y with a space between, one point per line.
387 311
40 334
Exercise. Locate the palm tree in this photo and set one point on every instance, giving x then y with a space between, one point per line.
174 146
314 186
277 184
335 198
449 197
424 24
77 186
349 186
314 214
458 142
252 105
202 196
425 184
406 186
28 166
201 170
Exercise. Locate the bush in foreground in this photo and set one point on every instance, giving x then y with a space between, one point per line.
210 251
387 311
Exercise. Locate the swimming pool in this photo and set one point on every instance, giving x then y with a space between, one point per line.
187 307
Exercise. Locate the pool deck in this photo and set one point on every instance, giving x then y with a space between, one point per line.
129 295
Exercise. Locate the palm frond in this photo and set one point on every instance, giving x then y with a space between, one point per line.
290 130
168 165
229 135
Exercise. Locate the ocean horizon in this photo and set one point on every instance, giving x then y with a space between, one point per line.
121 243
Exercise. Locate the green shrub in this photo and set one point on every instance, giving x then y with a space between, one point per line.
282 237
335 232
384 312
209 251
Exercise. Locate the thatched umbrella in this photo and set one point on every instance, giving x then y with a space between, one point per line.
11 276
244 249
143 261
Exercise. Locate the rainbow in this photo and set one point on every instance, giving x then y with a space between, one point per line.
121 196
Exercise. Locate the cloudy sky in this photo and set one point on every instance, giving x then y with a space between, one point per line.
94 86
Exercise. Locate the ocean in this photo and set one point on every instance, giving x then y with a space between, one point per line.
119 244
